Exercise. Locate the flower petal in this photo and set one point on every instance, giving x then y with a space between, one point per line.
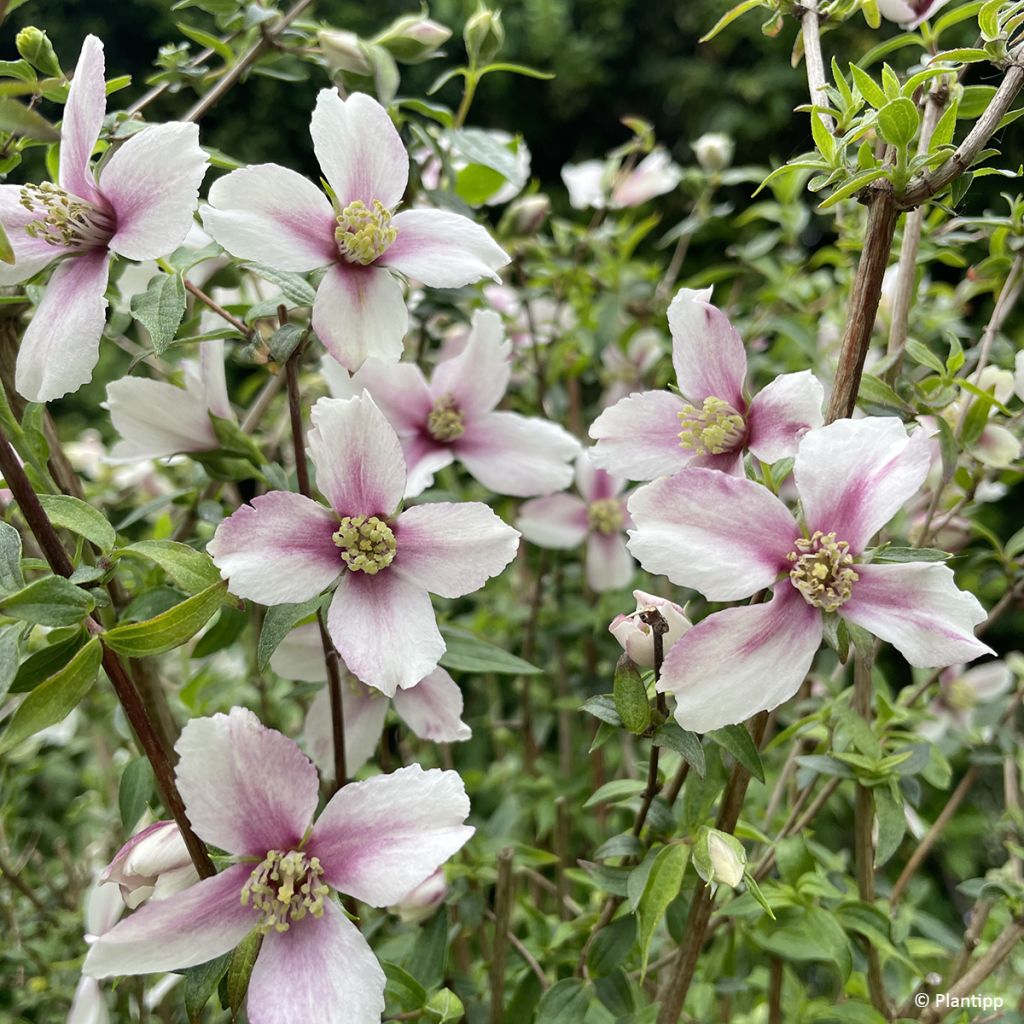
384 629
782 413
638 437
477 378
424 457
277 550
213 379
365 710
724 536
707 352
557 521
360 313
742 660
358 458
655 175
379 839
596 484
853 476
517 455
321 969
83 118
442 249
156 419
918 608
452 549
400 391
247 217
61 345
997 447
300 656
152 182
359 149
433 708
609 563
196 925
87 1004
30 254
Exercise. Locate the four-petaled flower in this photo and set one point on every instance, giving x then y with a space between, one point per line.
655 433
250 791
274 216
140 206
730 538
286 548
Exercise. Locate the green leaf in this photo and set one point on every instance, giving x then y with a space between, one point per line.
852 187
445 1007
278 622
868 87
294 287
988 20
135 791
924 356
52 701
428 961
189 569
169 630
894 554
611 946
517 69
738 742
200 984
602 707
566 1002
730 16
480 147
616 791
46 661
404 987
243 959
10 648
823 138
661 889
208 40
11 578
50 601
15 117
468 653
755 890
160 308
630 696
682 741
75 515
875 391
475 184
892 822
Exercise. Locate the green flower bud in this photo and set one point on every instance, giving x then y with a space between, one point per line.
413 38
719 858
344 51
34 46
484 35
631 696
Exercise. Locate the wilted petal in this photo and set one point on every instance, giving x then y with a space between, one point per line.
919 609
321 969
478 376
609 564
278 550
247 216
782 413
192 927
156 419
724 536
853 476
30 254
558 521
61 345
443 249
83 118
742 660
707 351
247 789
379 839
365 711
638 437
433 708
452 549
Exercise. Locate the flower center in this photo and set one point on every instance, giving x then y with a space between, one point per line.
713 429
284 887
364 234
445 421
823 570
64 219
367 543
605 515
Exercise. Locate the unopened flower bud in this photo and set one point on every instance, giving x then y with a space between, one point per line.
423 900
35 47
635 635
910 13
414 38
719 858
484 35
528 213
153 864
344 51
714 151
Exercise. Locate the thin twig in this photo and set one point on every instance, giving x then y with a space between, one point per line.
810 31
502 931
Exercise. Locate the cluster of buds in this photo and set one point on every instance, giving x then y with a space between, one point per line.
411 39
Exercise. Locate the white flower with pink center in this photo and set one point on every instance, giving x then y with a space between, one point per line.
383 562
251 792
276 217
596 515
730 538
455 417
596 184
910 13
139 206
710 423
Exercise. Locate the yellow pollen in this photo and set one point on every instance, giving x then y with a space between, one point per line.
445 422
285 887
64 219
713 429
364 234
823 570
605 515
367 543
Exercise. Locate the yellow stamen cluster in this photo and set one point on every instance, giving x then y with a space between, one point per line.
823 570
367 543
713 429
285 887
64 219
605 515
445 421
364 234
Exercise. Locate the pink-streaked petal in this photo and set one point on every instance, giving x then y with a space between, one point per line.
727 462
247 789
278 550
248 216
365 710
557 521
742 660
609 565
997 447
196 925
638 437
517 455
213 379
724 536
443 249
655 175
400 391
359 149
30 254
433 709
918 608
452 549
782 413
321 969
61 345
988 681
377 840
360 313
384 629
359 464
83 118
424 457
478 376
156 419
594 483
853 476
152 184
707 351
